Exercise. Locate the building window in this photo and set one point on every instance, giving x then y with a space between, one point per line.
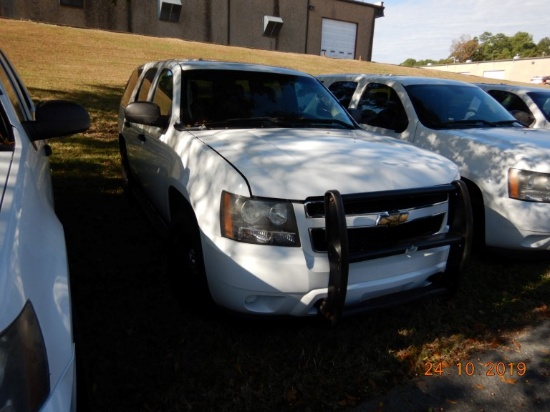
170 10
72 3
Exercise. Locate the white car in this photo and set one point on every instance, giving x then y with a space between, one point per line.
505 165
530 105
37 353
239 164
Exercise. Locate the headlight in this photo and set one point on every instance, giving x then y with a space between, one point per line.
24 376
258 221
527 185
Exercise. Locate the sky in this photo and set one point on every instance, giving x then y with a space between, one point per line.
425 29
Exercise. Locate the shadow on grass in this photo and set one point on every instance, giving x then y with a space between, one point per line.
99 98
138 351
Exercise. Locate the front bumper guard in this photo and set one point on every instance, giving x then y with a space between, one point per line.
458 237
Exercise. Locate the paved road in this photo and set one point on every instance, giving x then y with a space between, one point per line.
488 388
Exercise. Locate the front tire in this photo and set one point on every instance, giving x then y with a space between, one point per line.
185 264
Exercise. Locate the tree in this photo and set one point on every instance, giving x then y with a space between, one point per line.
463 49
410 63
487 47
522 45
543 47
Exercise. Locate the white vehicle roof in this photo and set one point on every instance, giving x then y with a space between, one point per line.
404 80
198 64
512 87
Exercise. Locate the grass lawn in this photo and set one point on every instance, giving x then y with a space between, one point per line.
138 351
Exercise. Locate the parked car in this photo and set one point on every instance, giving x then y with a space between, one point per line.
276 202
505 165
37 353
530 105
540 80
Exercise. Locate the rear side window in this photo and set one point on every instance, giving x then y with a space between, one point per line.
130 86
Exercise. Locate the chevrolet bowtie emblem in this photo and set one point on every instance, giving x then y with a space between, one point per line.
392 218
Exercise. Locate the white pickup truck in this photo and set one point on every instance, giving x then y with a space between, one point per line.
505 165
275 202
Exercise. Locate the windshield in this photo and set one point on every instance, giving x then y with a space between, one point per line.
446 106
236 99
542 100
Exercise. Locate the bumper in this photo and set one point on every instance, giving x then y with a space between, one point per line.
265 280
515 224
63 395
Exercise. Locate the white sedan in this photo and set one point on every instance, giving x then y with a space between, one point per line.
37 353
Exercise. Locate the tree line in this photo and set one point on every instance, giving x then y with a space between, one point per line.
487 47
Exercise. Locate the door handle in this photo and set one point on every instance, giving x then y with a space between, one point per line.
141 137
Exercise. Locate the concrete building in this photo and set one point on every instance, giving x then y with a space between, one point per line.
516 70
336 28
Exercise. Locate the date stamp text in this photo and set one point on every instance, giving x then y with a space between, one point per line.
502 369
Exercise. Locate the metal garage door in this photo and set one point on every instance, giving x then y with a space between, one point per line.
495 74
338 39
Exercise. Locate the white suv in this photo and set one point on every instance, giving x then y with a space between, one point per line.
505 165
246 165
37 354
530 105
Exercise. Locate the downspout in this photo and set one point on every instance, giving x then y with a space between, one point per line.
129 15
229 22
308 10
276 12
208 20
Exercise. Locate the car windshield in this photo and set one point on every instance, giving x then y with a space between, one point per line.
542 100
236 99
446 106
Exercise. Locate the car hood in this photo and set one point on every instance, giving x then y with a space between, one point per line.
529 147
504 137
298 163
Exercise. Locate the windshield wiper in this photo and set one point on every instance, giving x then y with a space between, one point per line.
468 122
275 121
263 121
335 122
316 122
509 123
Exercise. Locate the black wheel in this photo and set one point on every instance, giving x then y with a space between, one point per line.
128 179
185 264
124 159
478 212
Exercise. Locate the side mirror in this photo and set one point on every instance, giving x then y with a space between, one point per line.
143 113
56 118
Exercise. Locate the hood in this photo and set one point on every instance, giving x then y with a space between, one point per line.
505 137
524 147
299 163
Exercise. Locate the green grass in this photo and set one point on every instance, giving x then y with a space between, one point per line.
138 351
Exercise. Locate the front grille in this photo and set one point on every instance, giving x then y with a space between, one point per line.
366 239
373 203
426 211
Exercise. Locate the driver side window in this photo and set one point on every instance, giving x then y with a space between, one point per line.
380 106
